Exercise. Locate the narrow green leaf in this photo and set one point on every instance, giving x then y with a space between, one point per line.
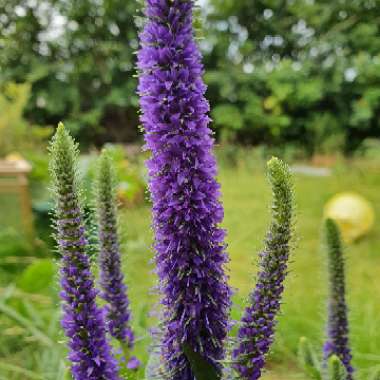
308 359
202 369
37 276
17 317
22 371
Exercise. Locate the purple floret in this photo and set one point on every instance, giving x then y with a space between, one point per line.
190 249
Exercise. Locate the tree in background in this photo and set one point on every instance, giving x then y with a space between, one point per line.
78 55
300 71
304 72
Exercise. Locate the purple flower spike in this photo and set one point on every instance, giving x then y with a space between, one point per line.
337 328
256 333
190 249
111 276
82 320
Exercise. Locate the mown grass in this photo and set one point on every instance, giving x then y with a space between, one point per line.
246 198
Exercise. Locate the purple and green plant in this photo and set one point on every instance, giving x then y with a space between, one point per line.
189 243
90 354
336 348
256 332
190 249
335 369
337 342
114 290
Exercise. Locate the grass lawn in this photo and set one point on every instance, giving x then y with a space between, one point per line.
246 198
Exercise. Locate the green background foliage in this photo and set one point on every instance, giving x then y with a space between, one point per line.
78 56
302 72
296 71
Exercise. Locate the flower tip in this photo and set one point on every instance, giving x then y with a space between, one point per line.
105 155
278 171
105 167
60 131
276 166
274 161
61 134
332 229
62 147
330 223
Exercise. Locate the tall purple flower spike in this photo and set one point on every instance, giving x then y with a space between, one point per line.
337 342
114 291
256 333
82 320
190 252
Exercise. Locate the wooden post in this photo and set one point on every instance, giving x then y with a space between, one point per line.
15 180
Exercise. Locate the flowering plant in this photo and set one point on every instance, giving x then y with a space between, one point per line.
336 363
190 250
83 320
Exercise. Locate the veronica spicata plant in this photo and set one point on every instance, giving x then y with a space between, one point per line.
256 332
114 290
189 244
336 363
90 353
337 327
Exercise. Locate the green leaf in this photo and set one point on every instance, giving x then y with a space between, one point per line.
27 324
308 359
202 369
13 369
229 116
37 276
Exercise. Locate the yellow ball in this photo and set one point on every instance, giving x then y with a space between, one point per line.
353 214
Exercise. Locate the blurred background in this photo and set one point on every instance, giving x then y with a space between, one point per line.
296 78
